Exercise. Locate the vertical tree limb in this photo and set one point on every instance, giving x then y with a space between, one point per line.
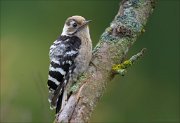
112 48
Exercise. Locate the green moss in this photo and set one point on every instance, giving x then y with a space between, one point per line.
124 65
107 37
109 29
143 30
129 17
75 87
128 20
97 47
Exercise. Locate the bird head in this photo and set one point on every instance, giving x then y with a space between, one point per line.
75 25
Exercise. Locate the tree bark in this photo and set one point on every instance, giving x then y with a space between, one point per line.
112 48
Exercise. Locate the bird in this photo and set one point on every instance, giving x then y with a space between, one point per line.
70 55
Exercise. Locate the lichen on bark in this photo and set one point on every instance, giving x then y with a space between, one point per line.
112 48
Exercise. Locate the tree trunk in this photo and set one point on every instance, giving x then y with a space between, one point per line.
112 48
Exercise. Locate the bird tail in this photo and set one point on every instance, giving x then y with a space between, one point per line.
59 103
50 98
55 98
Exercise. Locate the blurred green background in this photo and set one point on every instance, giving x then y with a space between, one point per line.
148 93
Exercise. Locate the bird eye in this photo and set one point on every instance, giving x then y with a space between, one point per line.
74 24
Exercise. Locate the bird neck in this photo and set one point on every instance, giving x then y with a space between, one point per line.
84 33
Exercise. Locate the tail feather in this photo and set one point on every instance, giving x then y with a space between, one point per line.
59 103
55 98
55 104
50 97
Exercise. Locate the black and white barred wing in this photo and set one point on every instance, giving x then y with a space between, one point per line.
62 54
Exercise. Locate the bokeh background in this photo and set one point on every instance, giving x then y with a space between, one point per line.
148 93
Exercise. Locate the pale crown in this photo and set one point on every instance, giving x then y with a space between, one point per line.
75 25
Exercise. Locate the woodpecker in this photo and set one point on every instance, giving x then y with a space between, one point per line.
70 56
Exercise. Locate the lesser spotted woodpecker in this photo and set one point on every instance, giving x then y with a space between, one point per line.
70 56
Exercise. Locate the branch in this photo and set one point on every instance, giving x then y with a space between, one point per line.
121 68
111 50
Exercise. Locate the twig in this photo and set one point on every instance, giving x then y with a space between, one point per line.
122 68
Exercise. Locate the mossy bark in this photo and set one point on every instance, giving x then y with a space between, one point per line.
112 48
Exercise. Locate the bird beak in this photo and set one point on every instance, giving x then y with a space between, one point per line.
81 27
86 22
